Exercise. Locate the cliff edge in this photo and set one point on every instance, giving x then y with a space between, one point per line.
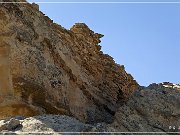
47 69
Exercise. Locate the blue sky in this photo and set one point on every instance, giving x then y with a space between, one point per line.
143 37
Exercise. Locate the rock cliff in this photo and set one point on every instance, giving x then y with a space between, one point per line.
45 68
155 108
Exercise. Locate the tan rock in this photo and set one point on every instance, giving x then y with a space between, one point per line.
48 69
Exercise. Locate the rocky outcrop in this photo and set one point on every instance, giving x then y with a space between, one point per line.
51 124
45 68
9 125
152 109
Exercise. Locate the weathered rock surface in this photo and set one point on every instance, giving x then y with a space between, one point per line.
152 109
45 68
9 125
155 108
52 124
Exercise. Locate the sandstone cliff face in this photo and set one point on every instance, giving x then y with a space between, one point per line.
155 108
152 109
45 68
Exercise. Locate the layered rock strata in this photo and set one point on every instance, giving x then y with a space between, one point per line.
45 68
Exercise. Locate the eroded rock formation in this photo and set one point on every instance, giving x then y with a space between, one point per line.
155 108
49 125
45 68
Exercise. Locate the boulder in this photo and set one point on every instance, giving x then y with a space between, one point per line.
9 125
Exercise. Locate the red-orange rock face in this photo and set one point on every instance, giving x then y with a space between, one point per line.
49 69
